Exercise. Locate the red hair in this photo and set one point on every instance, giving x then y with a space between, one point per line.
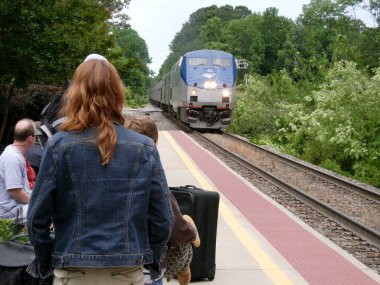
95 100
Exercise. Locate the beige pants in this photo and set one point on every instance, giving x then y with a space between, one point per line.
99 276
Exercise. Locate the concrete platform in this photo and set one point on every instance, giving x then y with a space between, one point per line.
258 241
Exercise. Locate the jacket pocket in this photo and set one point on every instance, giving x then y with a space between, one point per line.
128 276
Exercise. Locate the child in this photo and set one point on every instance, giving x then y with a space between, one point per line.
179 255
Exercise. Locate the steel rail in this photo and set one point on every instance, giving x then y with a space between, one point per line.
316 172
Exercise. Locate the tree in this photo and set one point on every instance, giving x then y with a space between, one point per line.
132 60
211 31
329 30
257 38
367 50
43 41
242 11
189 38
274 30
245 40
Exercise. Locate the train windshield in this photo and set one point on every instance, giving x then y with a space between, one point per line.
198 61
221 61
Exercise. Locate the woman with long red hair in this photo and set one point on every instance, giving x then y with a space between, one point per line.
103 188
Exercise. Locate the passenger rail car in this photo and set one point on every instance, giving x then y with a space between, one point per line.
199 90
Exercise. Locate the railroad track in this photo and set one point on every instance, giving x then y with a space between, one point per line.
365 225
372 194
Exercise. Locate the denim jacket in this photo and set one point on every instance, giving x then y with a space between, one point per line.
117 215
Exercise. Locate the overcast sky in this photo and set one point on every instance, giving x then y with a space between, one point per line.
157 21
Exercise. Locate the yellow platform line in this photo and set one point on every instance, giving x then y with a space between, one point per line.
265 262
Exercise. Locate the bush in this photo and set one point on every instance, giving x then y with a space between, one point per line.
253 112
134 100
336 126
28 103
7 229
367 173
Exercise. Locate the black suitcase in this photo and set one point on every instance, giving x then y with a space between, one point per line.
202 206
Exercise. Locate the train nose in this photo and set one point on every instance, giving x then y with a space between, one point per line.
210 114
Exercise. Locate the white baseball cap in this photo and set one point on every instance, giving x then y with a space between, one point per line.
96 57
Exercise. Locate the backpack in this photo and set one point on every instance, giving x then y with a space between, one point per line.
50 119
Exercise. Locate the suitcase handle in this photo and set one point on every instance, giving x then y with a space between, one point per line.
189 187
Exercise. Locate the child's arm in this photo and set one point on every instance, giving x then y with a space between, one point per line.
182 231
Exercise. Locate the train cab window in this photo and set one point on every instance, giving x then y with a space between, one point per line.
198 61
221 62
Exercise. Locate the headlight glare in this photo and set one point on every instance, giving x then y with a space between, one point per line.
225 93
209 84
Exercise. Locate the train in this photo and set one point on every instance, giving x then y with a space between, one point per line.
200 89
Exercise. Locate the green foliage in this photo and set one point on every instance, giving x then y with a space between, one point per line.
28 102
343 125
241 37
132 45
133 100
131 59
46 40
283 87
303 70
189 38
326 29
274 30
7 229
211 31
367 50
367 173
245 40
254 111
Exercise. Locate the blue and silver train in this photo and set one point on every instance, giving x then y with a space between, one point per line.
200 89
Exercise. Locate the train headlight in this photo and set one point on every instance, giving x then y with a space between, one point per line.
194 92
212 85
225 93
209 84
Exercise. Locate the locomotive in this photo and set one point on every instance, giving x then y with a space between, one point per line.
200 89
